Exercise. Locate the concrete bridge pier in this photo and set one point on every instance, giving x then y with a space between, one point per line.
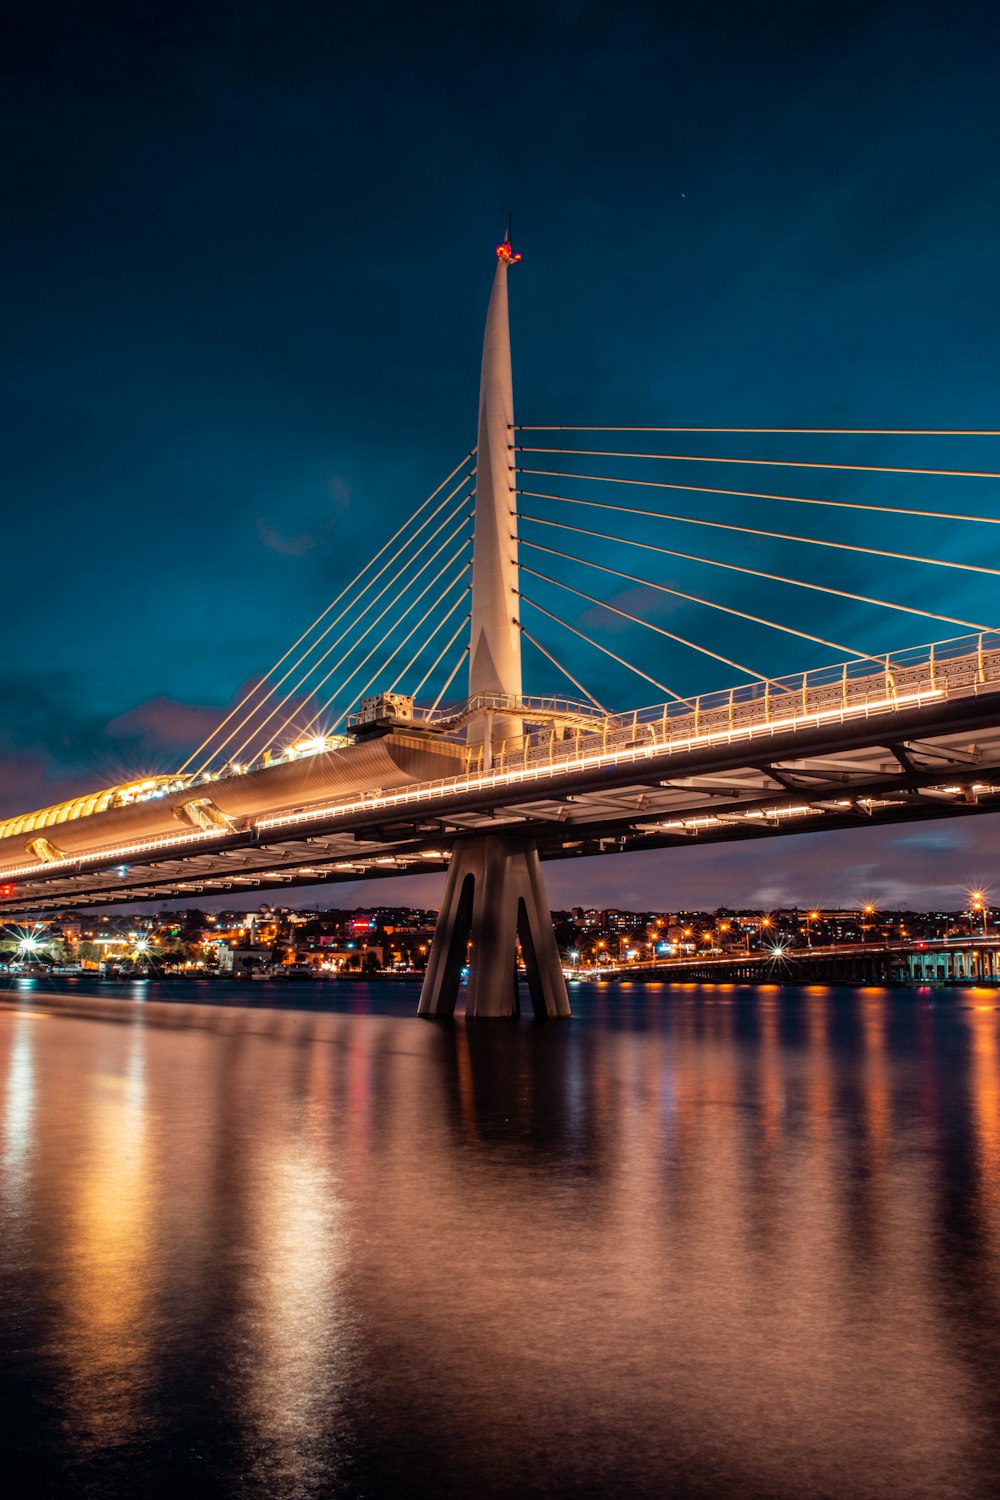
494 897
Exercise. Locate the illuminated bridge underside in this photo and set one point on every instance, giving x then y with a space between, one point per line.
935 756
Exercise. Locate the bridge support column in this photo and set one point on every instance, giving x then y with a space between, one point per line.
493 896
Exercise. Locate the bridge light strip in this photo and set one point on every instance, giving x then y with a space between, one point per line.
551 769
714 820
19 872
422 792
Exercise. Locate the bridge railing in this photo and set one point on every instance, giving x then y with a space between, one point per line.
944 671
963 666
537 710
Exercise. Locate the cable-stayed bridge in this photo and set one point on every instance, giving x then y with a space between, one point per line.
395 735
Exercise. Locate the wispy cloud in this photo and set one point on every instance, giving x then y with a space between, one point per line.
301 542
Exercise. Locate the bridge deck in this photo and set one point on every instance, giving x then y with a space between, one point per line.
915 737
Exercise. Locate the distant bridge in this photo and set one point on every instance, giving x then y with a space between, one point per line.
973 960
327 770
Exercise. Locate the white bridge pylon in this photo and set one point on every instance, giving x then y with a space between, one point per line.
494 894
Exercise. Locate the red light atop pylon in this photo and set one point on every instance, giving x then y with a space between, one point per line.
505 253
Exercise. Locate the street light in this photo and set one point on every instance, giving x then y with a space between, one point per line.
977 900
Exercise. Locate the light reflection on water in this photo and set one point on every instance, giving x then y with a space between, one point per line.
717 1242
101 1283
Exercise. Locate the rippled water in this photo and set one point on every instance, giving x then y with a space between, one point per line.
698 1241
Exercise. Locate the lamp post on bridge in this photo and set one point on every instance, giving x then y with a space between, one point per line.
494 895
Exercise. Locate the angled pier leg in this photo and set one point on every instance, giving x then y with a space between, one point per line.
451 941
494 895
546 980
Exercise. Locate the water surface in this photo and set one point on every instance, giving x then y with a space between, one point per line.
709 1241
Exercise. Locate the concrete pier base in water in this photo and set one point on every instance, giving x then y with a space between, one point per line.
494 895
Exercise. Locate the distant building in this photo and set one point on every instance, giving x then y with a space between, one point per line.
243 960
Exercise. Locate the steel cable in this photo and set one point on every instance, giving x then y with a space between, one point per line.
713 562
776 536
707 489
767 463
333 604
255 733
381 642
680 594
393 582
558 664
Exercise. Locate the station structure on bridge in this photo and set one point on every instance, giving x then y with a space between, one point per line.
489 787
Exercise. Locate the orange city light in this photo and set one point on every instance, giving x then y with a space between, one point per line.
505 253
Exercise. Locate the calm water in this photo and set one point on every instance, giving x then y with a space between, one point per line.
715 1242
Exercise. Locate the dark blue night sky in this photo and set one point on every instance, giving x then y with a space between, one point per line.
247 255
